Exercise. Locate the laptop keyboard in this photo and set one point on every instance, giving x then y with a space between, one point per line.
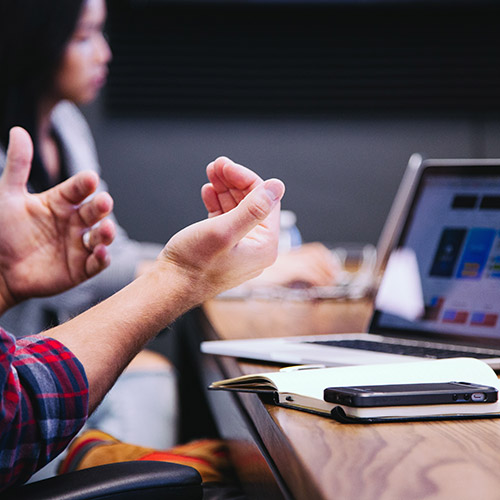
408 350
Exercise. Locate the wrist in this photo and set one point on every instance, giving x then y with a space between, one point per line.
174 289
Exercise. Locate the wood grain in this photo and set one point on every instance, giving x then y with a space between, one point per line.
319 458
237 319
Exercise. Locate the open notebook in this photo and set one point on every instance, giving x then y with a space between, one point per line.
302 388
440 294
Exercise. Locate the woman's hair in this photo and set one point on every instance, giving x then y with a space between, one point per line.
33 37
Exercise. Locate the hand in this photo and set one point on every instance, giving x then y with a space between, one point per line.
229 184
239 239
311 264
41 246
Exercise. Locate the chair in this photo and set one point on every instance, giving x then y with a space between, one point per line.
119 481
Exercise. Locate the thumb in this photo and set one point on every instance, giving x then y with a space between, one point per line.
254 209
19 157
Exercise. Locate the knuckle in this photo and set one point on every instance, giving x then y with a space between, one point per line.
259 209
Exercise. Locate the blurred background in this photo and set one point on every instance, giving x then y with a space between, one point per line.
331 96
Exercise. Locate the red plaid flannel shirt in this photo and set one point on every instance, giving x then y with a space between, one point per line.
43 404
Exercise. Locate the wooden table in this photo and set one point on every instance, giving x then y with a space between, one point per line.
283 453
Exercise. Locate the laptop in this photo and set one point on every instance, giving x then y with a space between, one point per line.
443 231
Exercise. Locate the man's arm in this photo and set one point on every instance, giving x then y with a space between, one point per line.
197 263
43 404
42 251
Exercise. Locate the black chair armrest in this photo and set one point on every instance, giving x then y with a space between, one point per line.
124 481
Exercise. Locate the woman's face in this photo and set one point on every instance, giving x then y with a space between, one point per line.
84 66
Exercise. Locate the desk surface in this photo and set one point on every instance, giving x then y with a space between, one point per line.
318 458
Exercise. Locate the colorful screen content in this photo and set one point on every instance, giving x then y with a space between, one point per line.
454 231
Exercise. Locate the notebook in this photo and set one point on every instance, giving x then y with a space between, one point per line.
440 292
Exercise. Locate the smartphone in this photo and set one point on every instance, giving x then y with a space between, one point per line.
411 394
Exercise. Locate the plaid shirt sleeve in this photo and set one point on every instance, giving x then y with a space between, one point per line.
43 404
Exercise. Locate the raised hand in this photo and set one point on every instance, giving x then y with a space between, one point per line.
228 184
199 262
239 239
42 249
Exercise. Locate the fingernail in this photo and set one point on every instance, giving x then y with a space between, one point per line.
274 189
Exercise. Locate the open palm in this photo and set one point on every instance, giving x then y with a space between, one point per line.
41 247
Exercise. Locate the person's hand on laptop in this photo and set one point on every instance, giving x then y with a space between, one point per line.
311 264
42 251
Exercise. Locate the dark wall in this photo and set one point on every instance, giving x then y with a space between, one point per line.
341 161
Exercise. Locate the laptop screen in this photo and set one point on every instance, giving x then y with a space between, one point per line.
453 229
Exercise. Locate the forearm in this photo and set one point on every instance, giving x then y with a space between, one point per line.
6 301
106 337
197 263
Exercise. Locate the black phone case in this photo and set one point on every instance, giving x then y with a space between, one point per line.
376 396
339 415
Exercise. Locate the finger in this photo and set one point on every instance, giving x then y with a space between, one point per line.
19 157
75 189
241 181
98 260
103 234
231 181
253 210
220 185
96 209
227 195
225 174
211 201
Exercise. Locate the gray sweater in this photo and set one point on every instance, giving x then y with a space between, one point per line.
79 152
